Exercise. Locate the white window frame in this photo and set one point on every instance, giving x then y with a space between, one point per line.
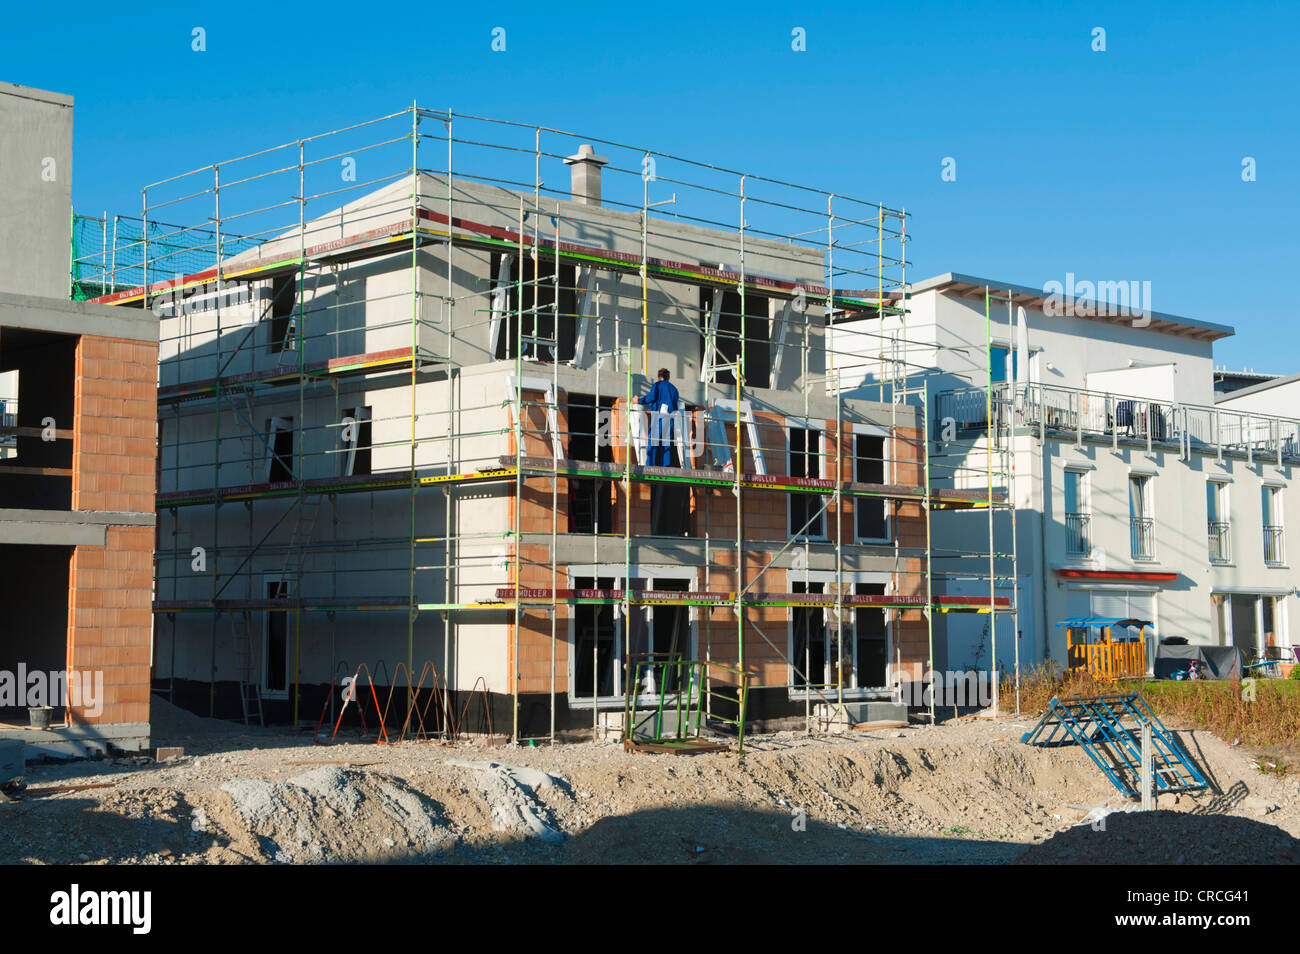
360 414
1083 474
278 425
548 395
588 314
708 372
1148 511
617 571
887 448
850 580
500 306
641 433
1222 504
777 340
716 428
805 424
1274 491
264 653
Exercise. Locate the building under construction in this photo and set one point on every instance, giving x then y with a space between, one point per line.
401 435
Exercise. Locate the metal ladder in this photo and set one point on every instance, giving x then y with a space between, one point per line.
1097 723
250 687
309 506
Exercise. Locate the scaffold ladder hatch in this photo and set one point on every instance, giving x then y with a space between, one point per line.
1109 728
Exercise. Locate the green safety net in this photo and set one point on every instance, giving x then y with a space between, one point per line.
108 254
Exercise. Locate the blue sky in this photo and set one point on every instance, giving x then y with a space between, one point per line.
1116 165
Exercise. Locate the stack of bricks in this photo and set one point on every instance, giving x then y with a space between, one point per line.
111 587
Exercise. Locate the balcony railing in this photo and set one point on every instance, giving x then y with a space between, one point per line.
1078 534
1220 541
1273 552
1114 417
1142 532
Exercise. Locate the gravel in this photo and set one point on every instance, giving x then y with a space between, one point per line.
965 793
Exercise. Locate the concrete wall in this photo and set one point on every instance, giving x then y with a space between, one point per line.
35 191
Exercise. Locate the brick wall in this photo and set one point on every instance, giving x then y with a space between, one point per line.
110 588
114 439
109 621
765 518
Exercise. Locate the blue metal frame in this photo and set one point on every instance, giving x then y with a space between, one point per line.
1097 723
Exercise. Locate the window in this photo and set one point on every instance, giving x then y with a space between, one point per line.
656 636
8 414
1271 505
720 342
1141 523
356 442
1218 528
275 652
591 499
816 656
871 514
594 641
808 640
284 332
1002 364
279 449
666 641
871 648
806 514
1078 518
538 312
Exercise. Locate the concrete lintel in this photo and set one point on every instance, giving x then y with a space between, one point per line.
65 527
77 317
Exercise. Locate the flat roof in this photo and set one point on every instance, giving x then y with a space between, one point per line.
972 287
31 92
1257 388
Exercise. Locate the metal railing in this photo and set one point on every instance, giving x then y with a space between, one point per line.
1219 533
1078 534
1142 533
1115 417
1273 551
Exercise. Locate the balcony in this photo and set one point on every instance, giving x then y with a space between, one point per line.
1142 538
1097 415
1220 536
1274 554
1078 534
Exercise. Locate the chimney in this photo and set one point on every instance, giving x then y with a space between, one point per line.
585 174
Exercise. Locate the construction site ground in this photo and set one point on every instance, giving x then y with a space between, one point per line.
963 792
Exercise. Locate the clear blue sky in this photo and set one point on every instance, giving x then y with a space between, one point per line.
1115 165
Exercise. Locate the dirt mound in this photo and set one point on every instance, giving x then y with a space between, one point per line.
169 723
332 815
1167 838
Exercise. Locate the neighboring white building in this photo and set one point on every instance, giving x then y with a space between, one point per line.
1136 493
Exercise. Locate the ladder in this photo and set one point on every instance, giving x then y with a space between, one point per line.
250 686
309 506
1109 728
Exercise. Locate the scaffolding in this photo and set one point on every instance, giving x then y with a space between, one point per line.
550 277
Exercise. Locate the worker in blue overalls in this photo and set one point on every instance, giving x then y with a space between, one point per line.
662 401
